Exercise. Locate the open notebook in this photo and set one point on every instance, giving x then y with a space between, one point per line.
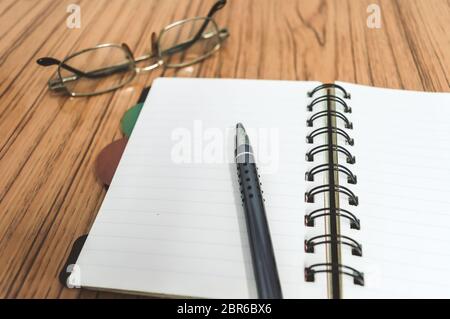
365 214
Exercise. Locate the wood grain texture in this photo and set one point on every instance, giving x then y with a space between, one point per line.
48 143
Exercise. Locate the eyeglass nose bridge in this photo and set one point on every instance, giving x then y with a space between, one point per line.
152 55
151 67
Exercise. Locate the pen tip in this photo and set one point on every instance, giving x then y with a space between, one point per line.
239 125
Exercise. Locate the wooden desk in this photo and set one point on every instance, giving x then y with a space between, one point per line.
48 193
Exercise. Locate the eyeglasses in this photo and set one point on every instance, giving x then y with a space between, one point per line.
108 67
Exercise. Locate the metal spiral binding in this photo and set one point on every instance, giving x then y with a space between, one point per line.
325 130
336 114
311 271
325 239
311 217
329 86
351 178
333 98
352 198
333 187
323 148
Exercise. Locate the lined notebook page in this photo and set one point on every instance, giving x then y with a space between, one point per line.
402 148
176 228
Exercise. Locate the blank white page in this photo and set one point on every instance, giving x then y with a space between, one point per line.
402 149
172 223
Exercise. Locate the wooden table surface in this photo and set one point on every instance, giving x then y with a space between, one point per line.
48 144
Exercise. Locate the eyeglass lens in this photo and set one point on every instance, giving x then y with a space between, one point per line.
188 42
103 69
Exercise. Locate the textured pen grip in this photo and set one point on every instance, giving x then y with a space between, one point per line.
249 181
264 264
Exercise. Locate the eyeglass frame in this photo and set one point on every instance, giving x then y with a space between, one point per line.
58 84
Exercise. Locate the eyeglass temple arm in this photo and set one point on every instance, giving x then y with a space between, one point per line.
216 7
56 84
49 61
186 45
92 74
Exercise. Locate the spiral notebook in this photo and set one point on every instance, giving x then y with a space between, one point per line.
355 181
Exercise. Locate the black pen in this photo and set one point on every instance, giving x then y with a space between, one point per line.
263 257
